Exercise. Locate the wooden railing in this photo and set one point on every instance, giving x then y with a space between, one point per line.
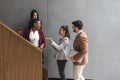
19 59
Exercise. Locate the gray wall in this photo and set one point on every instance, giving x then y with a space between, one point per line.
16 13
101 22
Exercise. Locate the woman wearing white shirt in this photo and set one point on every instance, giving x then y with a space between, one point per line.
35 35
62 49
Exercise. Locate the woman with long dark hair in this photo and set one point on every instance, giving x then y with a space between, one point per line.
33 15
62 49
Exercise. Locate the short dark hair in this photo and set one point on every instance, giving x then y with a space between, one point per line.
34 21
78 24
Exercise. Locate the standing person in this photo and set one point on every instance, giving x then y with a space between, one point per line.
81 46
33 15
62 49
35 35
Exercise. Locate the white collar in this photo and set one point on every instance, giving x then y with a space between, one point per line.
79 32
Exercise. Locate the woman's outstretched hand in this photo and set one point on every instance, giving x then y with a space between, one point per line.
49 39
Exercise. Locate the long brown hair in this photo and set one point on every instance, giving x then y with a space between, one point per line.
66 29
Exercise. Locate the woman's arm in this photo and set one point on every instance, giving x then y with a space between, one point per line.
26 34
42 40
61 46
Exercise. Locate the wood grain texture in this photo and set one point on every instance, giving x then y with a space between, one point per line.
19 59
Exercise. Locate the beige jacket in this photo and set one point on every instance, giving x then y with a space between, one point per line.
81 45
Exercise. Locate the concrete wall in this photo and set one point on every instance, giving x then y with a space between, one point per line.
16 13
101 22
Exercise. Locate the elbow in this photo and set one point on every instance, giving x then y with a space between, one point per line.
80 55
84 53
59 49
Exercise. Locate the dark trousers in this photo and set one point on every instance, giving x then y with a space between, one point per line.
61 68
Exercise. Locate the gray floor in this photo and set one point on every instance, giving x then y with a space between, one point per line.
67 79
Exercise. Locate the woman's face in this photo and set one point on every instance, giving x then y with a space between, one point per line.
61 32
37 25
35 16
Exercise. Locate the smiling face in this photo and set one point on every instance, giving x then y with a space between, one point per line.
61 32
35 15
37 25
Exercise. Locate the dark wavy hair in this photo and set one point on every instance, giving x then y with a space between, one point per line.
30 25
35 21
32 13
65 28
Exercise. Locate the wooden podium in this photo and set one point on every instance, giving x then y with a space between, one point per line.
19 59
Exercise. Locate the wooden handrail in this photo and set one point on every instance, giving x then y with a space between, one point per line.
19 59
5 26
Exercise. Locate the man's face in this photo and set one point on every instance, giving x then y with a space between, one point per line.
74 28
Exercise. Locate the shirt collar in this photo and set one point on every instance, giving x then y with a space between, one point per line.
79 32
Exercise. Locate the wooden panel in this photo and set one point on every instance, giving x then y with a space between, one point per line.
45 74
19 59
1 64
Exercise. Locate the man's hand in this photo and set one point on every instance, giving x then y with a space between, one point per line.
72 59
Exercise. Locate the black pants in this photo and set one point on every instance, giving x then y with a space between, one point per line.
61 68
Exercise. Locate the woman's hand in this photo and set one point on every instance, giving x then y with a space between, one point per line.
42 46
49 39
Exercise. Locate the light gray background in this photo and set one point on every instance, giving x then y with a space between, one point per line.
101 22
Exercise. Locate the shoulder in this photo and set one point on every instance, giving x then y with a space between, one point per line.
27 30
83 34
40 31
26 33
66 39
83 37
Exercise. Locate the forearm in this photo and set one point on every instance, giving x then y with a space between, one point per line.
83 49
79 56
55 45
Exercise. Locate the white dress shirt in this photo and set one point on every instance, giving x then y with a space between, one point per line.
34 37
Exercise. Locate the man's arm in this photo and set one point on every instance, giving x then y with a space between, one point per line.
83 48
